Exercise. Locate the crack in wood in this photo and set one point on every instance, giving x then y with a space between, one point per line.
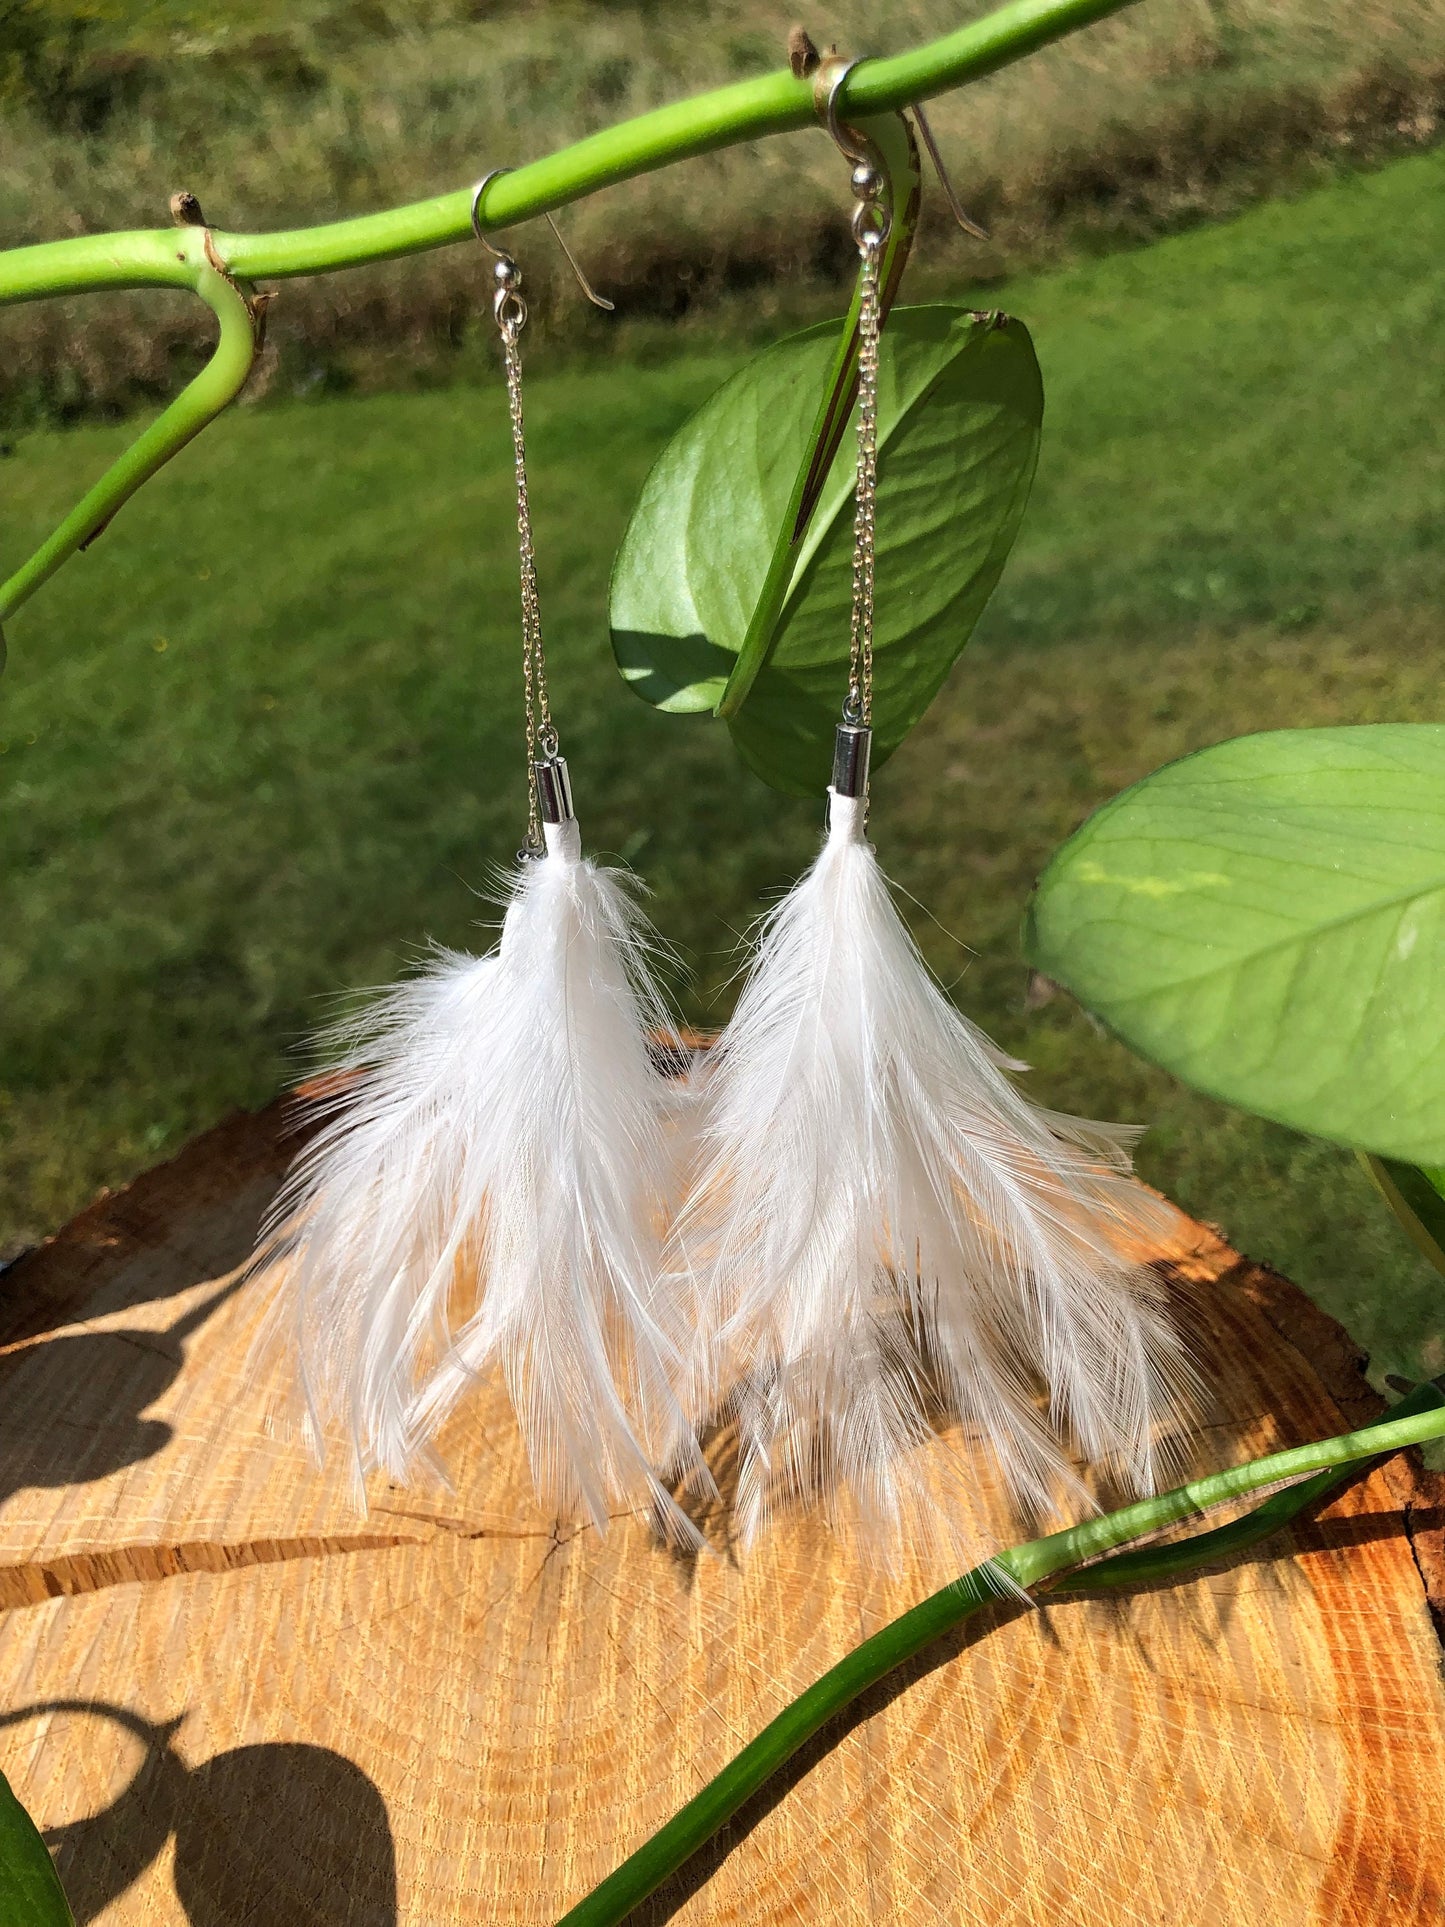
468 1529
68 1574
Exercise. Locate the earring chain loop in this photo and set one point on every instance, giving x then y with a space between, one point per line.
871 223
541 733
858 709
510 310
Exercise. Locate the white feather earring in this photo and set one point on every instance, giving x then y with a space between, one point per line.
881 1225
489 1188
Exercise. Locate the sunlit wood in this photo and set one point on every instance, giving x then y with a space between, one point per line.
451 1711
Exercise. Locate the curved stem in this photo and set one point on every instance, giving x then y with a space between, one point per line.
773 104
1420 1417
218 384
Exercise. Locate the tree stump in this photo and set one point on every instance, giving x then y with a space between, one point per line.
228 1698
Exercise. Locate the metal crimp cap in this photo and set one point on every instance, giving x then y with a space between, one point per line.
554 789
852 747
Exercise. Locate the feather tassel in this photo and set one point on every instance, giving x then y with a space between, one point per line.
882 1225
491 1192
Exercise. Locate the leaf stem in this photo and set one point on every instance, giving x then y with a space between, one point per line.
1419 1417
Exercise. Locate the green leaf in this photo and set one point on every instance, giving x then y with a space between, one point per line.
1266 919
30 1890
1417 1197
960 402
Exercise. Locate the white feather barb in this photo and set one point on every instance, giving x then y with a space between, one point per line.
491 1193
882 1226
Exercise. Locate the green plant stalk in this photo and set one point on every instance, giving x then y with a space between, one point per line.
167 257
198 404
1420 1417
1148 1564
773 104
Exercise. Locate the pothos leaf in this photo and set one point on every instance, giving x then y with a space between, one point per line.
960 405
1267 920
30 1889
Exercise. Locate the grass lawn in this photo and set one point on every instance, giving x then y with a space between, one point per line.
264 738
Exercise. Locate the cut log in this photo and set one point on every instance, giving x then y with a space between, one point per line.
227 1698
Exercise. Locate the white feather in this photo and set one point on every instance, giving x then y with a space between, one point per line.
882 1226
492 1192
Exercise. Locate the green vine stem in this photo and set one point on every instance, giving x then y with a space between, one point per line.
198 404
777 103
1418 1417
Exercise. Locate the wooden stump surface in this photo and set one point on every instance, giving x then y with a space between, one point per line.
228 1699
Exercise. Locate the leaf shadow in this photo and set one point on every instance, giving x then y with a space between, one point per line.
275 1831
80 1417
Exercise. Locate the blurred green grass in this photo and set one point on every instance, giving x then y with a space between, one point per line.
264 739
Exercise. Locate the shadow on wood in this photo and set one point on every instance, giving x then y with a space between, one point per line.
262 1833
111 1376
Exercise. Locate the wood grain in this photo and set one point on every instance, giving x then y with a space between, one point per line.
229 1699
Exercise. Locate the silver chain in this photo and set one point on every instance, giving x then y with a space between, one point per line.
858 709
511 312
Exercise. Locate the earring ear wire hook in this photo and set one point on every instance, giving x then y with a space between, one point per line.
964 220
851 142
597 300
500 254
870 173
855 146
